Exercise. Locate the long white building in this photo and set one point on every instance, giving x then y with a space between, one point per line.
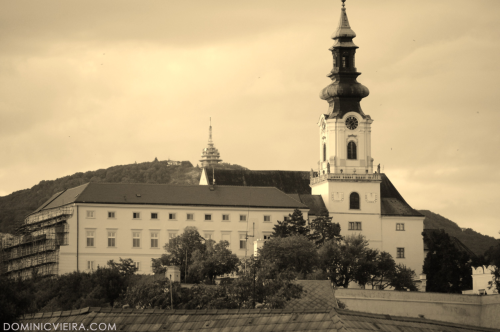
82 228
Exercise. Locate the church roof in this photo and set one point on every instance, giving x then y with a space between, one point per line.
290 182
297 182
160 194
391 201
314 202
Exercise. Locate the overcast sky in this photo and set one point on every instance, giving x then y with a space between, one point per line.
89 84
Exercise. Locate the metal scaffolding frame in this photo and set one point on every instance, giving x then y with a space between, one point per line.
36 250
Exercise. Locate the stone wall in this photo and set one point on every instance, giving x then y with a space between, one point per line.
456 308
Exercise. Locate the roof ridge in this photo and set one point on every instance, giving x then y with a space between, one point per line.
412 319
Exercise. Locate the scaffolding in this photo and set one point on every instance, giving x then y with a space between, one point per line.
36 249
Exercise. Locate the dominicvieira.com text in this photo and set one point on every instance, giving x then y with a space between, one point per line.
58 327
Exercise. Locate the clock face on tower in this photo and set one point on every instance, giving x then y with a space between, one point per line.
351 123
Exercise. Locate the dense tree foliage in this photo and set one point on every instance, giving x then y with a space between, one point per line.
322 229
295 224
492 257
294 253
214 260
14 301
448 269
180 251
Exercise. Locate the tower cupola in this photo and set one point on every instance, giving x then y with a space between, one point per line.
344 93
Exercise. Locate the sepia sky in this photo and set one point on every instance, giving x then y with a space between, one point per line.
91 84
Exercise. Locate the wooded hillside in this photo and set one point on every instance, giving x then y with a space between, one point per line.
475 241
16 206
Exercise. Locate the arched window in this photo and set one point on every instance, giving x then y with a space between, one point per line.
351 151
354 201
324 151
344 61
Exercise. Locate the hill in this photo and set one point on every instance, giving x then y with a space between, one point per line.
16 206
475 241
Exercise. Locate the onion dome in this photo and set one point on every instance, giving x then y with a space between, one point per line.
344 93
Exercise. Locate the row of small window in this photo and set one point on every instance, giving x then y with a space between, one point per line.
136 239
173 216
356 226
154 238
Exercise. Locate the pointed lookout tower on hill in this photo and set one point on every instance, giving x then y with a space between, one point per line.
210 155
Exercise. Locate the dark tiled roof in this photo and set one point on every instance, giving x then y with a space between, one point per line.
243 320
318 294
391 201
141 193
290 182
314 203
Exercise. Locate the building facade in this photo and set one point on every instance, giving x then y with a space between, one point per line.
85 227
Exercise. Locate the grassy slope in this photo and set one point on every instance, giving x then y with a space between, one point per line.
475 241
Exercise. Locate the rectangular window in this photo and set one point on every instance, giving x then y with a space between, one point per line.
401 253
136 215
154 215
136 239
111 214
90 265
226 237
171 216
190 216
154 239
243 217
90 238
225 217
267 218
243 241
209 236
266 236
355 225
286 218
208 217
400 227
90 214
111 239
137 265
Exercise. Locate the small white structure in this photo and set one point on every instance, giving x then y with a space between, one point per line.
173 273
481 278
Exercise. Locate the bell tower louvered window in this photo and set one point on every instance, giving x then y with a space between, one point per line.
351 151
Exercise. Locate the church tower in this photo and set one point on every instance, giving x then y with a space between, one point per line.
210 155
345 176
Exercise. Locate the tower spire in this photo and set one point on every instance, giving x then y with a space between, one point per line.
344 93
210 131
210 155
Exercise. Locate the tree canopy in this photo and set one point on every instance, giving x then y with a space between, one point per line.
294 253
215 260
448 270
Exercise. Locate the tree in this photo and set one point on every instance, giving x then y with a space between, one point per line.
492 257
323 229
180 250
294 253
402 279
15 300
342 260
448 269
295 224
126 267
213 261
263 283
